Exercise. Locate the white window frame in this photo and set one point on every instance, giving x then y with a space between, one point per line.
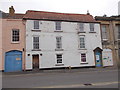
58 26
58 42
15 36
92 27
81 57
81 27
36 43
60 59
82 42
38 23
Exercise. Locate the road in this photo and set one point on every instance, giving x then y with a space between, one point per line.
77 79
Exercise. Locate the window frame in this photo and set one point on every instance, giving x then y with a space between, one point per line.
60 59
81 25
84 56
59 42
83 43
17 41
58 26
35 43
105 33
92 27
38 23
118 36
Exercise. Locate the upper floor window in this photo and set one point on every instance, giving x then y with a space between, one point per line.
35 42
104 32
82 42
81 27
36 24
58 25
118 31
91 27
15 35
58 42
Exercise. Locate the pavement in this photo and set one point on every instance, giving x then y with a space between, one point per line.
61 70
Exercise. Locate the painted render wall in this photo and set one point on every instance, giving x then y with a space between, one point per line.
0 44
7 26
70 44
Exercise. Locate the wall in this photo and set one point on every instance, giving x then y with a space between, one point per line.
0 44
119 8
112 39
7 36
70 44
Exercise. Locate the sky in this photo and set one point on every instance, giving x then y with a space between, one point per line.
95 7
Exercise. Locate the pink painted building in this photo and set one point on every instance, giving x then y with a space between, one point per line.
12 41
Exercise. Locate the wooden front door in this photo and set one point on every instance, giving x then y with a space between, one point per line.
35 61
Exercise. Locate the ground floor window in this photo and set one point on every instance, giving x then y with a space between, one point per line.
83 57
59 58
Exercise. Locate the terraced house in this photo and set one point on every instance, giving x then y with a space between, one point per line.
57 40
12 41
110 28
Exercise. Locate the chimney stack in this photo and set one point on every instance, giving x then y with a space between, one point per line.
11 11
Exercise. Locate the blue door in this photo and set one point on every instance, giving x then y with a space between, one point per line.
98 59
13 61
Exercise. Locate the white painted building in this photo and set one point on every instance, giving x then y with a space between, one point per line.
119 8
55 40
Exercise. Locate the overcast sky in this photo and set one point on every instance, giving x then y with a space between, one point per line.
95 7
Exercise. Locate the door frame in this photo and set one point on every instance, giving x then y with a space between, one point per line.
38 61
12 54
100 51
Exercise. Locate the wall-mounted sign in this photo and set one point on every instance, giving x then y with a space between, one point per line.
18 58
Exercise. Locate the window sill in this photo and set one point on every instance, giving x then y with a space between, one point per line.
82 49
81 32
92 32
59 49
84 63
36 30
36 49
59 64
15 42
105 39
58 31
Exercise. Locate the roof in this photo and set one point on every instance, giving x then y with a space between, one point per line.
7 16
112 18
42 15
16 16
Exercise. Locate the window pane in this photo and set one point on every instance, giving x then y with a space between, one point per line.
58 42
35 42
82 42
59 58
104 32
118 31
81 25
36 24
91 27
15 35
58 25
83 57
